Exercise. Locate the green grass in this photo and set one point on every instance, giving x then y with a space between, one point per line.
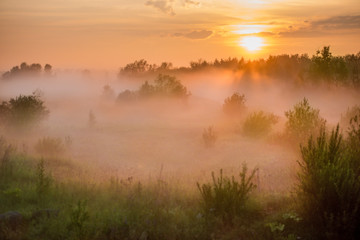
116 209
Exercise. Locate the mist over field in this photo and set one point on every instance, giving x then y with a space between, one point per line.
145 138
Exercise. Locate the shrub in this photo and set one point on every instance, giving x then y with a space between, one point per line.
23 111
303 120
234 105
164 86
209 137
226 197
49 147
259 124
127 96
167 85
329 186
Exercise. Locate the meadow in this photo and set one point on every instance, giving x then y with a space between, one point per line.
230 149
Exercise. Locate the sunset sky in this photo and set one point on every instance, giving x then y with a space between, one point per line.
107 34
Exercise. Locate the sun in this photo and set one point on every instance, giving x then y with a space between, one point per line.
252 43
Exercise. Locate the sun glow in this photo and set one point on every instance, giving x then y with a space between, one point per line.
252 43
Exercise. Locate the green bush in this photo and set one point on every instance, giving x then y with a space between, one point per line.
259 124
234 105
303 121
226 197
329 187
23 111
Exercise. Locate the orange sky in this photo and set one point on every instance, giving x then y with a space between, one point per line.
107 34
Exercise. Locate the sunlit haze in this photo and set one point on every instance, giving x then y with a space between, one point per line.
107 34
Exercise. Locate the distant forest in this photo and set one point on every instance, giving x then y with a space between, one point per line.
322 67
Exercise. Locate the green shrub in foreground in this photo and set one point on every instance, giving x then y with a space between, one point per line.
329 187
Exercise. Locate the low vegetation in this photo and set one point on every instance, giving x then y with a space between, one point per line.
235 105
259 124
164 86
329 186
303 121
23 111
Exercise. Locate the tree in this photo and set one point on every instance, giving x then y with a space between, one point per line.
47 69
23 111
167 85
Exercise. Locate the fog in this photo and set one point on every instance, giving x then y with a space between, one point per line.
162 138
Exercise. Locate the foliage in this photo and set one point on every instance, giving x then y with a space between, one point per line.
329 186
23 111
164 86
209 137
49 147
259 124
322 67
303 120
33 70
126 96
78 218
328 68
234 105
226 197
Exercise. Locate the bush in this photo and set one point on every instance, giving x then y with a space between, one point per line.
329 187
234 105
49 147
259 124
303 120
164 86
226 197
209 137
23 111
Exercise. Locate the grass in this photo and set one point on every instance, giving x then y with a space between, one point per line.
118 208
326 205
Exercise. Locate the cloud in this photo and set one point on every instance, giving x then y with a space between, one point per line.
338 22
188 3
327 26
202 34
164 6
